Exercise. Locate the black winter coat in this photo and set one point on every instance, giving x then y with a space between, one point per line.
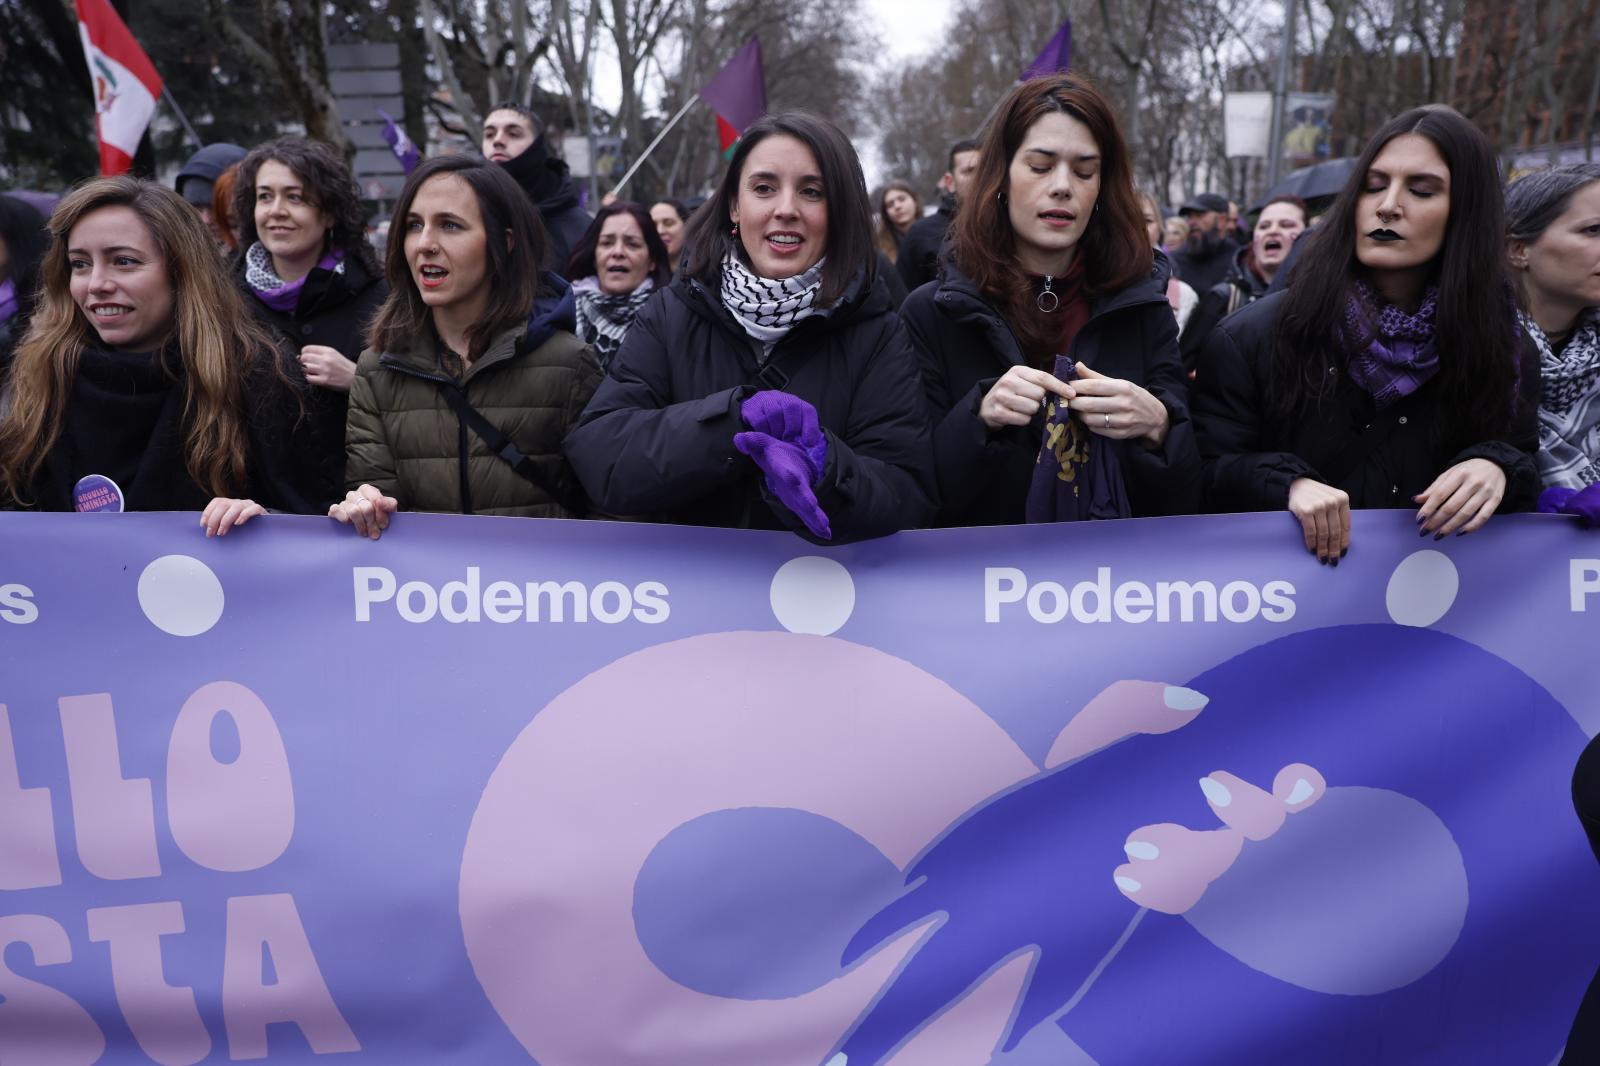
548 182
657 438
1240 287
918 259
335 310
1251 456
966 346
125 420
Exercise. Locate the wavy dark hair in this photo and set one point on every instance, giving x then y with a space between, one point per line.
850 251
225 352
514 247
1477 330
23 232
1115 248
581 263
328 184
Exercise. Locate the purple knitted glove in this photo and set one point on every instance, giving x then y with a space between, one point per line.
1553 499
789 473
791 419
1585 503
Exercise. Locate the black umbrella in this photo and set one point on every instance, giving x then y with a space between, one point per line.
1318 181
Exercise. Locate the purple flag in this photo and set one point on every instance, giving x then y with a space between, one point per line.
738 92
401 145
1055 57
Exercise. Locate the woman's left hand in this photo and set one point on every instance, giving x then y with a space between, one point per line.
222 514
1119 409
326 367
1462 498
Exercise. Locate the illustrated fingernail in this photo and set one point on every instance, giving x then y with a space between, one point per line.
1216 792
1141 849
1184 699
1302 791
1128 884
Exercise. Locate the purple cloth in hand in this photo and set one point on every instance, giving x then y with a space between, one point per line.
1077 474
790 472
1553 499
790 419
1585 503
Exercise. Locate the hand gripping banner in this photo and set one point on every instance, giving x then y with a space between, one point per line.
496 791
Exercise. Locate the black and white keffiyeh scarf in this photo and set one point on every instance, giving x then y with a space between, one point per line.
603 319
1569 405
768 309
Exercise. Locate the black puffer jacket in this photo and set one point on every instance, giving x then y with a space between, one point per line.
335 310
658 436
1251 456
966 346
1241 286
548 182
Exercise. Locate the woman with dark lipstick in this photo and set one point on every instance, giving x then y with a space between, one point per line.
1052 273
1392 373
770 386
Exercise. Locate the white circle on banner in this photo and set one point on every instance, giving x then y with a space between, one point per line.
813 594
180 595
1422 588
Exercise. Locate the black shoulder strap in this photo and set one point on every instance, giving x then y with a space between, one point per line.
505 448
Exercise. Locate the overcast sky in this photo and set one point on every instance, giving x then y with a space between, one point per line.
907 28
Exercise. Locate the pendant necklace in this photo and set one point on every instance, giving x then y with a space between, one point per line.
1053 302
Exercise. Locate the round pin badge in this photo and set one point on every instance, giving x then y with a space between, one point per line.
96 492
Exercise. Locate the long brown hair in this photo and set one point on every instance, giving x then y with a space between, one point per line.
1114 248
511 272
888 242
219 342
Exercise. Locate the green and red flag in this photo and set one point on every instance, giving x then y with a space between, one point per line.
126 85
738 94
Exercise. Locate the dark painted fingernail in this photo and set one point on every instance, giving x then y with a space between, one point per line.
1344 553
1438 536
1423 532
1335 561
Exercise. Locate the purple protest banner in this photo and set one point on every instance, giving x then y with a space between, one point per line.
502 790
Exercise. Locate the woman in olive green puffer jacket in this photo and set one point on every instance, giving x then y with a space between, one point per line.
472 362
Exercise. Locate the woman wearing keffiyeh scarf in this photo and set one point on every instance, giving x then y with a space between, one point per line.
617 263
1553 231
770 385
1392 372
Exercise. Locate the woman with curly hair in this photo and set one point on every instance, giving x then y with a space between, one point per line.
141 365
313 280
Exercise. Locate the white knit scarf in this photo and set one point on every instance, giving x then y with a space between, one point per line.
768 309
1569 405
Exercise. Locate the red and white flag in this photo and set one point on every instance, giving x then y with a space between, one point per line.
126 85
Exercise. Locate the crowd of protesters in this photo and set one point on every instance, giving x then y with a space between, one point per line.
795 354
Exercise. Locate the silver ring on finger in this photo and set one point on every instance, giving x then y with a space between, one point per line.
1107 417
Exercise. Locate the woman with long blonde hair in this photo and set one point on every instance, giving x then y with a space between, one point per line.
140 365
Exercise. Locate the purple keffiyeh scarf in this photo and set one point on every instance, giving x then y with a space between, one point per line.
1399 352
272 290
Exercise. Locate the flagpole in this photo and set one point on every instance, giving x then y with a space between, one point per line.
183 120
684 110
